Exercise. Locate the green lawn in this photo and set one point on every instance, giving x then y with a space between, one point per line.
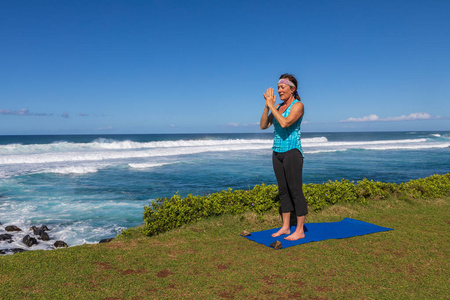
209 260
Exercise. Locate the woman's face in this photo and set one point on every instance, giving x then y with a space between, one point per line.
285 91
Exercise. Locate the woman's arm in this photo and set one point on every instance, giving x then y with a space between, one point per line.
266 119
296 113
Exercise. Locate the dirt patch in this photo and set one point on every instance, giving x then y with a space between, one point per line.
230 292
300 283
269 280
322 289
226 295
129 271
296 295
33 289
164 273
103 265
222 267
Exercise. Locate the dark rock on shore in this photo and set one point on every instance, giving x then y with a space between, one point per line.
29 241
35 233
11 250
12 228
5 237
42 228
60 244
42 235
106 240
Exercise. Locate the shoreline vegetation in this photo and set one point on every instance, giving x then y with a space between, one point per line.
164 214
193 249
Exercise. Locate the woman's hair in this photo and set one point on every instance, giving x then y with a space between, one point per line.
291 78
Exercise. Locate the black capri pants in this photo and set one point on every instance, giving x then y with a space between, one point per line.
288 168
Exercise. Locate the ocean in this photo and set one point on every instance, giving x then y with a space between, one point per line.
89 187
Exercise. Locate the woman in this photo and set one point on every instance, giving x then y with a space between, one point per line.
287 155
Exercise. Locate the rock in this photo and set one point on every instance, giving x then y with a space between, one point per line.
106 240
16 250
276 245
245 233
37 231
11 250
44 236
4 237
12 228
29 241
60 244
42 228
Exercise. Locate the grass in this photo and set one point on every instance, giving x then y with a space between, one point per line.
209 260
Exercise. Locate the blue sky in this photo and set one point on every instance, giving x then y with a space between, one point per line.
108 67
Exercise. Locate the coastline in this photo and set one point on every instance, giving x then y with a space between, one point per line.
165 214
209 259
87 188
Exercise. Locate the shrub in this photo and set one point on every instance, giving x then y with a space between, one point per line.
376 190
431 187
168 213
164 214
320 195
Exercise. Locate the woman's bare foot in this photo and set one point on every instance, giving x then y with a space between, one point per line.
295 236
281 232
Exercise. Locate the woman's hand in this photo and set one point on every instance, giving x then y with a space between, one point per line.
270 97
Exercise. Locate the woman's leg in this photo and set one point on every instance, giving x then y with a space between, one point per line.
293 166
293 171
285 200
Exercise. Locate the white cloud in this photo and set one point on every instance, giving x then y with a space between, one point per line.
232 124
370 118
105 128
21 112
414 116
375 118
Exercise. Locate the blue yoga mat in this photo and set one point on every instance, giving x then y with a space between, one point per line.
315 232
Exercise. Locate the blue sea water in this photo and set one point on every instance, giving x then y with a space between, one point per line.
86 188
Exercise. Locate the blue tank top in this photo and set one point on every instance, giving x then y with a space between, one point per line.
286 139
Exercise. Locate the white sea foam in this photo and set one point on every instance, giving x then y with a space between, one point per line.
149 165
94 220
73 170
82 158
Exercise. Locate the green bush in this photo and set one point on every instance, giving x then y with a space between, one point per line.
168 213
164 214
431 187
376 190
320 195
